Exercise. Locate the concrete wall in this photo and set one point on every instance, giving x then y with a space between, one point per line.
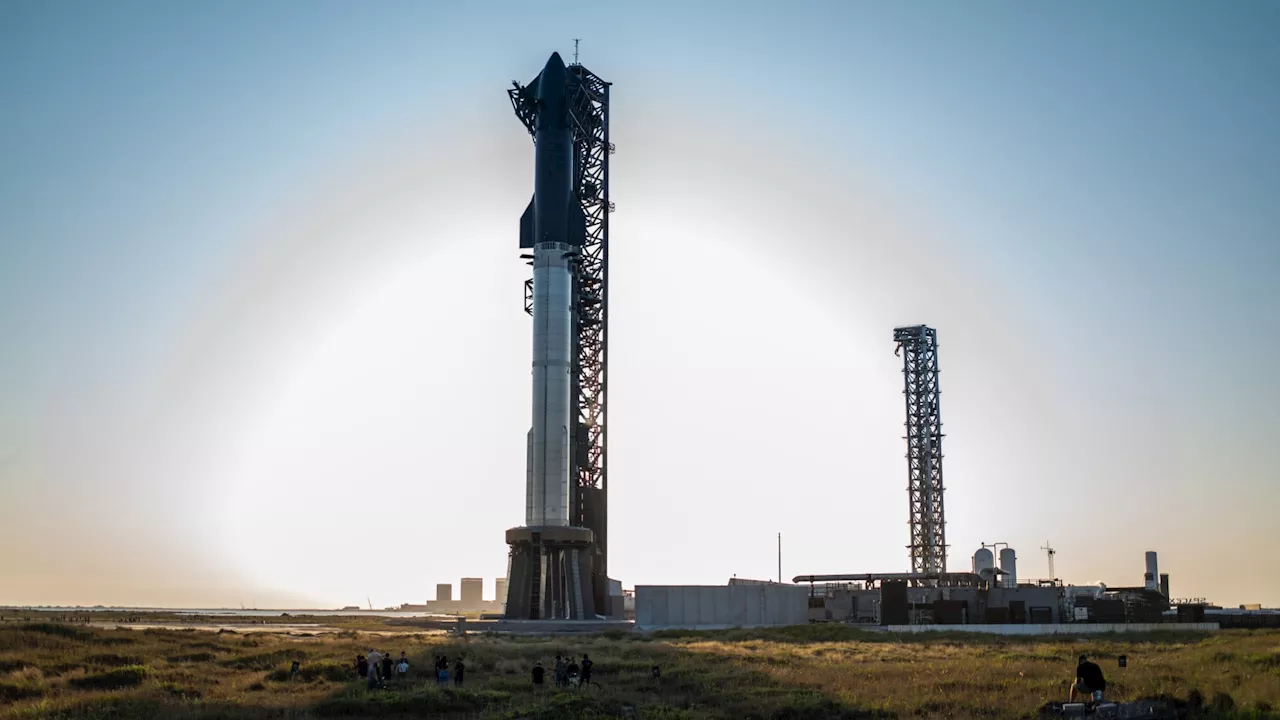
720 606
1056 629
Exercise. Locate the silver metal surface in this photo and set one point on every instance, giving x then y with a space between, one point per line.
548 476
1009 564
1152 578
984 561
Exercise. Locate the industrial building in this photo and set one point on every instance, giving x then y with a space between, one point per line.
988 594
471 597
472 591
710 607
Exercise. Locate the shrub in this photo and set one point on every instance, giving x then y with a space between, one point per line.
23 684
66 631
263 661
180 692
128 676
8 666
318 670
192 657
111 660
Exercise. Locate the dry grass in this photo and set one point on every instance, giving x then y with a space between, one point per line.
56 671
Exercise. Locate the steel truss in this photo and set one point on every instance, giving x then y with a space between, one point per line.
918 346
589 113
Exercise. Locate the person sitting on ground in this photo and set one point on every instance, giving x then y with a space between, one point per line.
458 669
1089 681
586 669
538 673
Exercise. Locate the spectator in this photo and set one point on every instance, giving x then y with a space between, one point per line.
387 662
458 669
362 666
402 667
586 669
442 671
561 671
538 673
1089 681
375 662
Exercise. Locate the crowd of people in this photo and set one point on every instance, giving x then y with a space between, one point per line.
568 672
380 668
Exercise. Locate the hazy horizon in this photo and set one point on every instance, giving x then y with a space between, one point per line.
260 291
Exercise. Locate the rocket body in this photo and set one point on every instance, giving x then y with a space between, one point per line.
554 228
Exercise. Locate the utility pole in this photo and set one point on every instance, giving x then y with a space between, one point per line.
779 558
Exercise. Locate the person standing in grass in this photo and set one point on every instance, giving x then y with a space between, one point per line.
386 666
562 669
375 662
539 673
1089 681
458 669
586 669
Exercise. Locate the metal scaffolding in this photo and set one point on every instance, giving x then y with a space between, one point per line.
918 347
589 114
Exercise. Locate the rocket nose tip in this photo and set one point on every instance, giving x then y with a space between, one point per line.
555 61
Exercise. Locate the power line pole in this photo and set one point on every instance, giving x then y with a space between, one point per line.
779 558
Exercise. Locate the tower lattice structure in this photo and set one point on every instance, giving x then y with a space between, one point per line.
589 115
918 347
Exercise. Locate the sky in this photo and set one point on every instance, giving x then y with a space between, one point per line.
261 311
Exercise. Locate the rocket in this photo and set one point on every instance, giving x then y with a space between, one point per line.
554 228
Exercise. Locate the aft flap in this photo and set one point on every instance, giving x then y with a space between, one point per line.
526 227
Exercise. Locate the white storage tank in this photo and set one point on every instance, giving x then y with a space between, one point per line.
1009 564
984 564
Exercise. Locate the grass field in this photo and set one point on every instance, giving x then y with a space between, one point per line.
49 670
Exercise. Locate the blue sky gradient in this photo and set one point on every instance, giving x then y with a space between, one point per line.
207 210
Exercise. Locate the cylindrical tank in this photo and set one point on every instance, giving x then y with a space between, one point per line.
1152 578
548 455
984 564
1009 564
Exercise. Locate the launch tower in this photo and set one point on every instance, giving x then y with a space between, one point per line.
918 346
558 565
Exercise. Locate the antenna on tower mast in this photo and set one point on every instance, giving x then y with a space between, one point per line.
575 50
1050 552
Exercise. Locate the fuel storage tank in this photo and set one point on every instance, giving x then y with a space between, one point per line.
1009 566
984 564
